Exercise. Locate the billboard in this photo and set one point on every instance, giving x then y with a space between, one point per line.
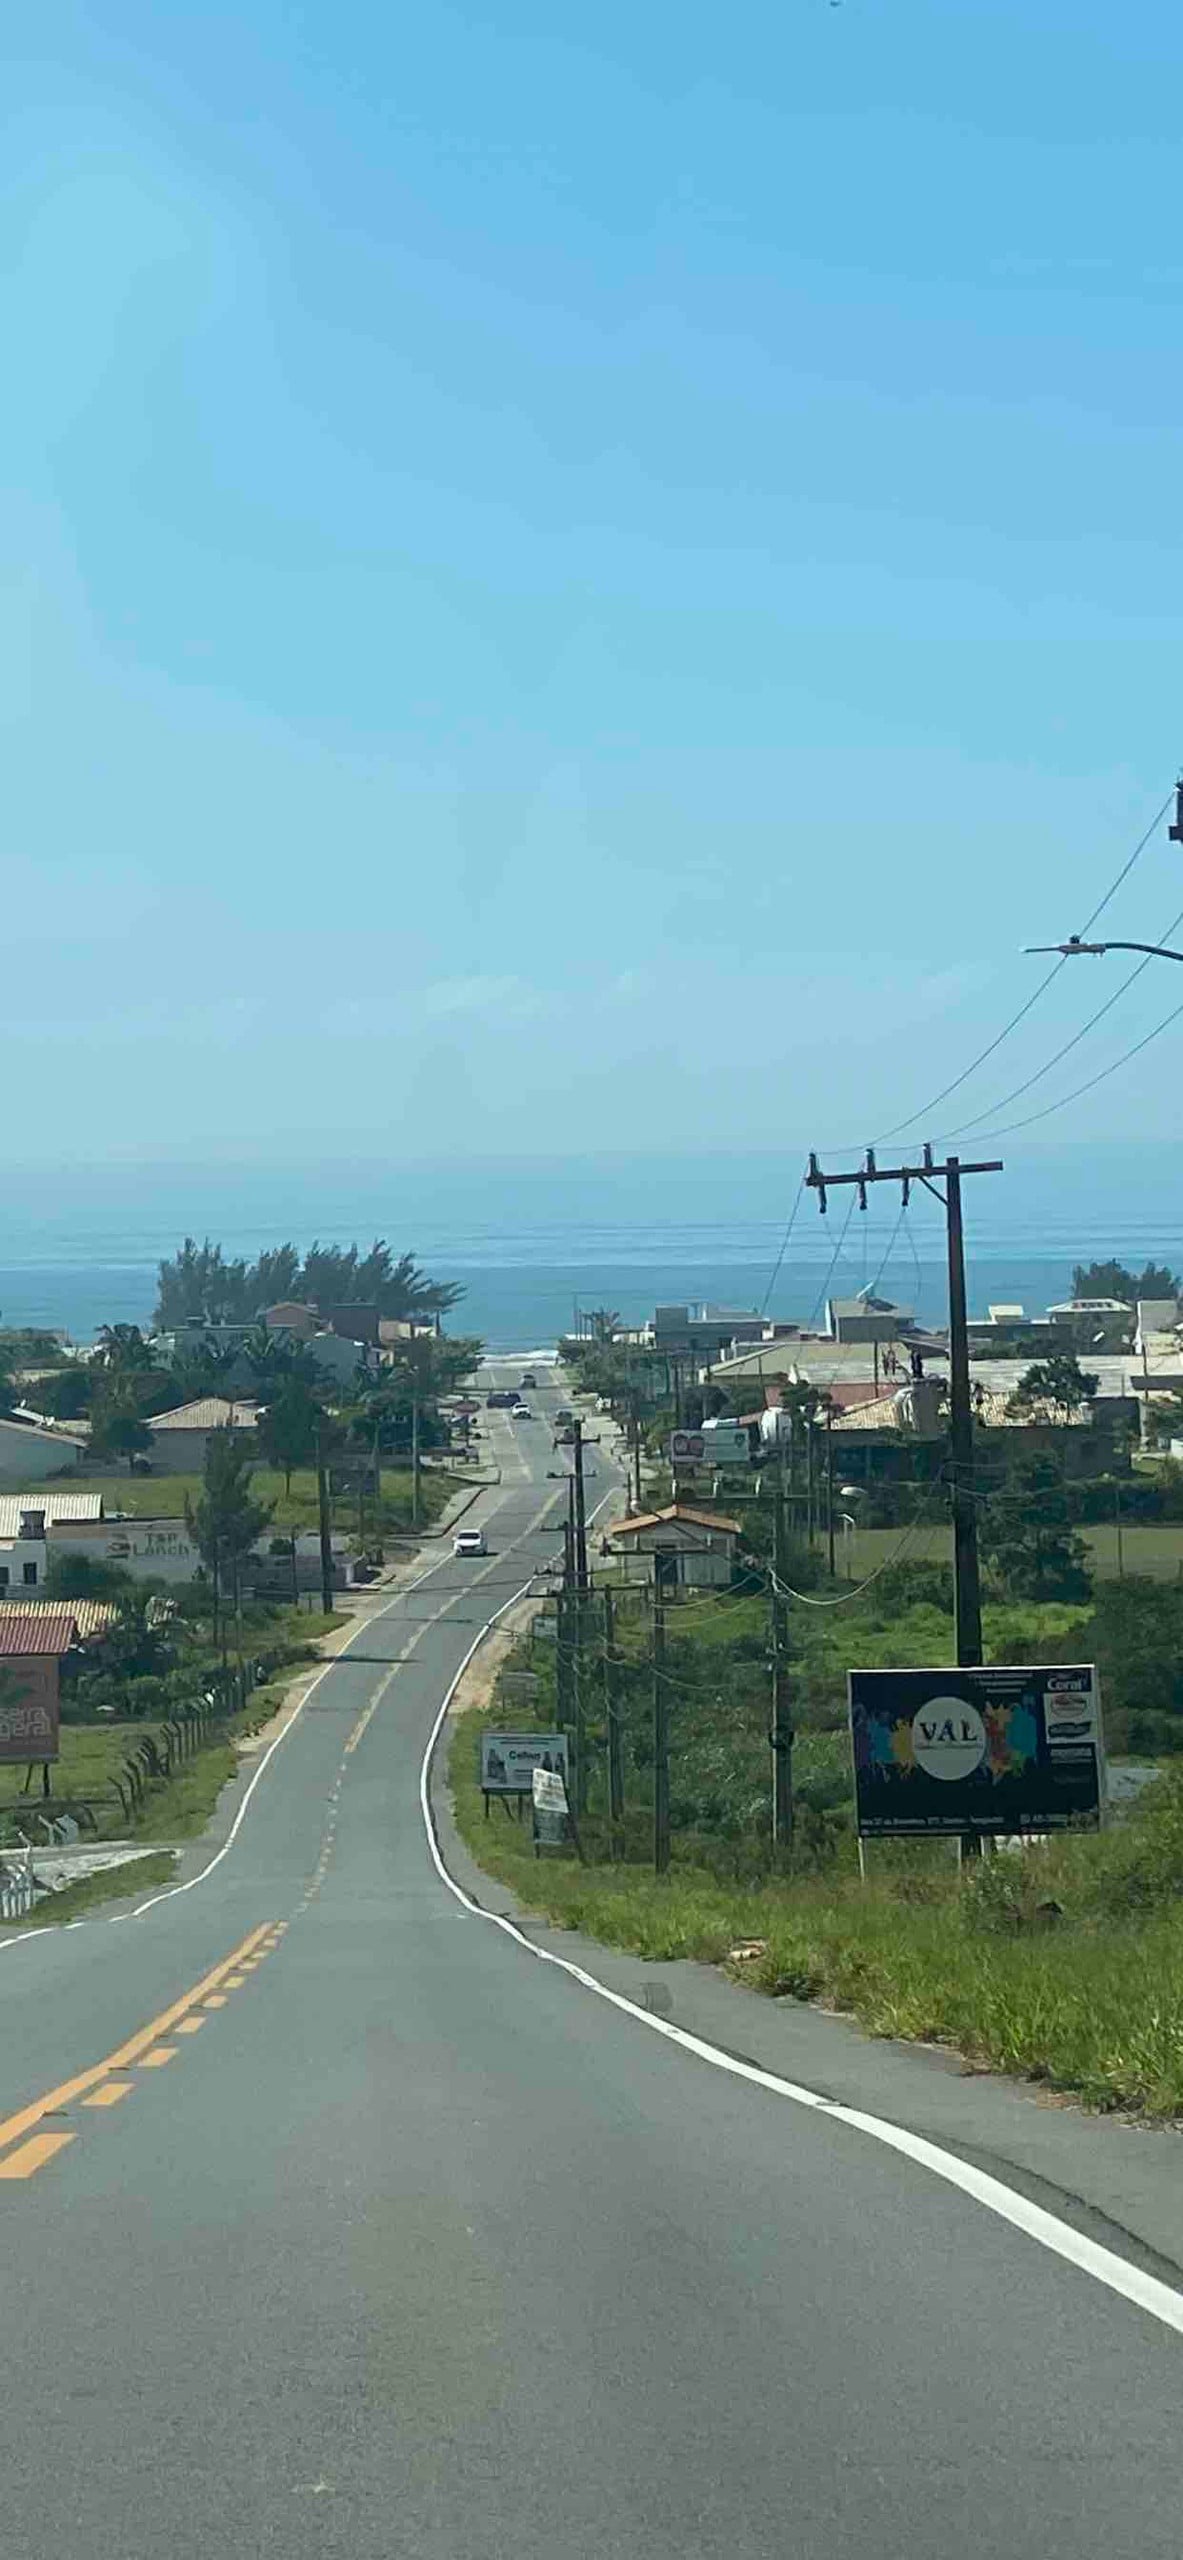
721 1444
29 1709
997 1748
509 1760
726 1444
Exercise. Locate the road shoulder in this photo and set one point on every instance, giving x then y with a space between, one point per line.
1118 2181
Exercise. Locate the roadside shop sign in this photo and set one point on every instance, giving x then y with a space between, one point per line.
1000 1749
509 1760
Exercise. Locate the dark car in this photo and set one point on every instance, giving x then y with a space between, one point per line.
528 1379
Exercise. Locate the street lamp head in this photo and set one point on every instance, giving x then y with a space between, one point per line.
1070 949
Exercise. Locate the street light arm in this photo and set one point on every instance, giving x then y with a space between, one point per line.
1154 950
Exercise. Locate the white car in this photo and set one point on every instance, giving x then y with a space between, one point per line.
521 1413
470 1542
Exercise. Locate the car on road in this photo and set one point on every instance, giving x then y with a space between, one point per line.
502 1399
528 1379
470 1542
521 1413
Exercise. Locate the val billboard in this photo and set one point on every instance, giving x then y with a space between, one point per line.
1002 1749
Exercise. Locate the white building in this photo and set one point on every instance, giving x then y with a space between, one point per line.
32 1451
27 1522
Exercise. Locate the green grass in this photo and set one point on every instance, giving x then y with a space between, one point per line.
163 1497
1092 2005
135 1876
93 1754
1153 1547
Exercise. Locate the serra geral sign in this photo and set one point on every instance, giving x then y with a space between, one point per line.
1003 1748
29 1709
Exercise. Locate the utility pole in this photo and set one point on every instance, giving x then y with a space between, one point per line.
578 1613
415 1469
564 1657
612 1718
661 1732
326 1535
967 1587
580 1517
830 1487
781 1734
635 1435
966 1577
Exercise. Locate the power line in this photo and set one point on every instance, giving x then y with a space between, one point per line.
1077 1036
784 1246
1111 1070
936 1099
820 1299
889 1247
844 1598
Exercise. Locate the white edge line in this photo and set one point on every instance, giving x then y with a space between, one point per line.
403 1593
272 1748
25 1937
1146 2292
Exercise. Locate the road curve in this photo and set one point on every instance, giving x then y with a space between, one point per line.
336 2224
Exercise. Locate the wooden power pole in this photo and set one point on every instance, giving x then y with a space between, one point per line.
661 1732
612 1719
967 1590
781 1733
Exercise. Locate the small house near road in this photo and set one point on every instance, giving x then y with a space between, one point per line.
679 1547
31 1451
179 1437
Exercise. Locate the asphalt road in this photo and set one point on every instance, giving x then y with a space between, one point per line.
389 2239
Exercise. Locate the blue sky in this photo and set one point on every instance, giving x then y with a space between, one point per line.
581 589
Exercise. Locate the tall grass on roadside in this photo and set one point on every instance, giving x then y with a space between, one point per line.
1060 1963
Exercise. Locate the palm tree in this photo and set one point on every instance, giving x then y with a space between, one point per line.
122 1346
604 1323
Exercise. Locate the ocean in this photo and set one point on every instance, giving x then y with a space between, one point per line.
533 1245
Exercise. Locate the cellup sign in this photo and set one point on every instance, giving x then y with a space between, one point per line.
509 1760
1003 1749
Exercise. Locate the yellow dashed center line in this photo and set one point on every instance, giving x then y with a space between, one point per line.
95 2084
33 2155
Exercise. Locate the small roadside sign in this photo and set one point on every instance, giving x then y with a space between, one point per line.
509 1760
552 1825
